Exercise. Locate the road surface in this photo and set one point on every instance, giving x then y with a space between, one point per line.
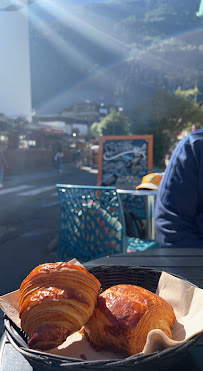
30 220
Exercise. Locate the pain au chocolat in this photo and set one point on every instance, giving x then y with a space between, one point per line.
55 300
123 317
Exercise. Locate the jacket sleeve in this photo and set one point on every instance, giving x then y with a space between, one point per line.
178 220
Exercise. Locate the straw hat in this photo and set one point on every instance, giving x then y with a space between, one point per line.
151 181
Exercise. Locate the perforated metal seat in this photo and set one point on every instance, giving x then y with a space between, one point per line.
92 222
137 244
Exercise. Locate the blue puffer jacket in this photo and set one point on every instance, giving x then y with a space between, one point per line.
179 204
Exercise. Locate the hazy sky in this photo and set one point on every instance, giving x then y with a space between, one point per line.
15 84
15 89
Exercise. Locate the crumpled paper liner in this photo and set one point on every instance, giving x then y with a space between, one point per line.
186 300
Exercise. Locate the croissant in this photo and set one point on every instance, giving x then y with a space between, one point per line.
123 317
55 300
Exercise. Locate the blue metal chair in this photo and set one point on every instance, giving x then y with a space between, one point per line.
92 222
137 244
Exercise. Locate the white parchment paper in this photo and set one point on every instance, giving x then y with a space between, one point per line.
186 300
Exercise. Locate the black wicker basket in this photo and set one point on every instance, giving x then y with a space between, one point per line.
108 276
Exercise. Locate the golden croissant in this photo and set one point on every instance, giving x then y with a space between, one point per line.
55 300
123 317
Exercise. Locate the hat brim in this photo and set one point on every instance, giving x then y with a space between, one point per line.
152 186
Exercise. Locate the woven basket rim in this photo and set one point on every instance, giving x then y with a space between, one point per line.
132 267
37 356
16 335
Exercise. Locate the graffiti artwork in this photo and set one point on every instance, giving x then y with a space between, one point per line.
124 160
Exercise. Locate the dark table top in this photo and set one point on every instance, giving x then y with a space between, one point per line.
187 263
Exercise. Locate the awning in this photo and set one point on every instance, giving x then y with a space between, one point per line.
52 131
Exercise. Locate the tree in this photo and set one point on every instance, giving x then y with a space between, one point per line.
139 118
95 129
116 123
165 117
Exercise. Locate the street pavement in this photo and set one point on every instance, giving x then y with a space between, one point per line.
36 241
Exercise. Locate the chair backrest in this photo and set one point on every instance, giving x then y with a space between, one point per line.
92 222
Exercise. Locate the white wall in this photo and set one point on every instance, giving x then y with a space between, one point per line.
53 124
68 128
15 85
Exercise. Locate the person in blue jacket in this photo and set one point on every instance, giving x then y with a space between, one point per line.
179 204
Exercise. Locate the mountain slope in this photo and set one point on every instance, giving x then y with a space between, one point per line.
114 51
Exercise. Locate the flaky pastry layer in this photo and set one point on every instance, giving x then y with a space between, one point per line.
123 317
55 300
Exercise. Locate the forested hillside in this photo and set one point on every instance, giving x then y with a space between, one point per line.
113 51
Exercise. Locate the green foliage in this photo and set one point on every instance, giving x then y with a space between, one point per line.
165 117
168 114
116 123
95 130
187 93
